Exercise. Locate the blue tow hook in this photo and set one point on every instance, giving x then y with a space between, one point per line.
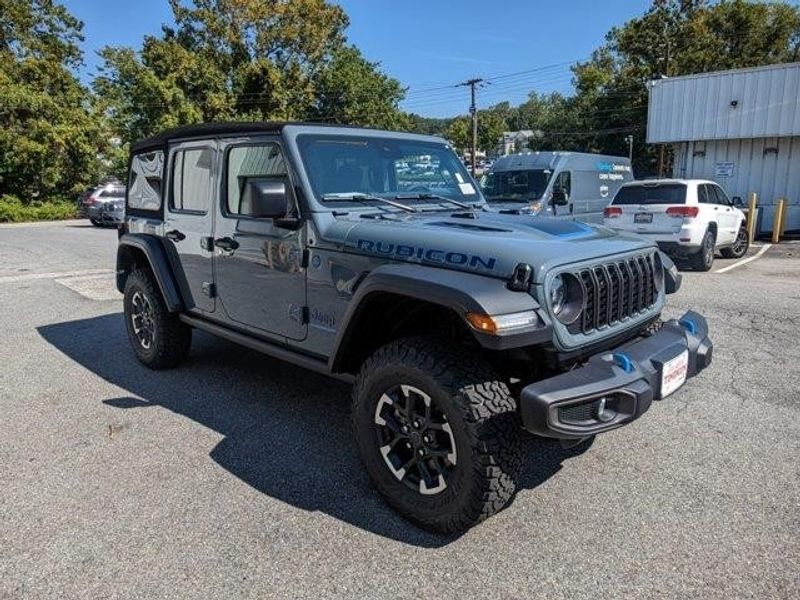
623 361
689 325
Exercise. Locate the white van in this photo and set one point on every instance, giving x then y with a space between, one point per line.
572 185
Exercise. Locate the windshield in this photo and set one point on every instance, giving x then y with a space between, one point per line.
522 185
670 193
341 166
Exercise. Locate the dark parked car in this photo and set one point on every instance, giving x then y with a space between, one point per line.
104 204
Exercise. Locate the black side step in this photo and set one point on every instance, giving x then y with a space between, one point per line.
268 348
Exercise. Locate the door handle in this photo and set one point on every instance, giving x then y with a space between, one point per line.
175 235
226 243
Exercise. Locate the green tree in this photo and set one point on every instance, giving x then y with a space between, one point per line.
354 91
245 60
50 139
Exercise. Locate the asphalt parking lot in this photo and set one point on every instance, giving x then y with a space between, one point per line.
236 475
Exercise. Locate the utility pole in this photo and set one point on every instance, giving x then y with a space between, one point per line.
629 139
473 110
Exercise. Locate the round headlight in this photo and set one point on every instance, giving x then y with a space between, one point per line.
566 298
558 293
658 271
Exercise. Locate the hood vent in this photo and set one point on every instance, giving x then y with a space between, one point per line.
469 227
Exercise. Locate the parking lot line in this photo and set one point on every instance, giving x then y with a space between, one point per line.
764 248
35 276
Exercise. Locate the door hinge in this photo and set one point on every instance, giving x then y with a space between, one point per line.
207 243
209 289
306 254
306 315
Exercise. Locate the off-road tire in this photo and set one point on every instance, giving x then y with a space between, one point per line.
740 246
484 422
704 258
171 338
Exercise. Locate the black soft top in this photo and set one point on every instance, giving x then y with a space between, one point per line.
204 130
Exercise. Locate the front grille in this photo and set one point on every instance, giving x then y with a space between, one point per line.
615 291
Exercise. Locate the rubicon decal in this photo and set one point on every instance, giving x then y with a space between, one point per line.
430 255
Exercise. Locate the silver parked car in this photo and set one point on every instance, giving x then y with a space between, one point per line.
104 204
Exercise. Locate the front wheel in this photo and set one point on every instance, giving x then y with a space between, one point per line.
740 246
438 433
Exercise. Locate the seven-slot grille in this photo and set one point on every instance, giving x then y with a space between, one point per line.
615 291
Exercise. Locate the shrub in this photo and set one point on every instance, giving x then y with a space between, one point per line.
13 210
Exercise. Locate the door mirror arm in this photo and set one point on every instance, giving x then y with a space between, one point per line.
290 223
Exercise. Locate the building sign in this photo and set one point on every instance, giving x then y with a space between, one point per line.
723 169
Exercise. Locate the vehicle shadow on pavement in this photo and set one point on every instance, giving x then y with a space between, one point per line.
287 431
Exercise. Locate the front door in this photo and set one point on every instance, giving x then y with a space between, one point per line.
189 220
259 272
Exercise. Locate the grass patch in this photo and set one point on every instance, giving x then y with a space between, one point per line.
14 210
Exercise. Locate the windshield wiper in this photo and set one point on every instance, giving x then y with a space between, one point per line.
364 199
429 196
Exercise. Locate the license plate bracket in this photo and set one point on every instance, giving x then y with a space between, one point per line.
673 373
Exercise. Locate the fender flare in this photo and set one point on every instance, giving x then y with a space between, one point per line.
458 291
152 249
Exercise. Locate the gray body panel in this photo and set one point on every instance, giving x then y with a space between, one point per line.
300 288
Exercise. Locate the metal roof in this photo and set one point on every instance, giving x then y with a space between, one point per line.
739 104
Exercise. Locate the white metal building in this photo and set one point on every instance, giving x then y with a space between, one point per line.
740 128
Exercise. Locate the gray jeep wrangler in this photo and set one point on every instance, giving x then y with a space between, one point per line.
371 256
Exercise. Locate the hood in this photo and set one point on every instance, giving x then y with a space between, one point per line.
481 242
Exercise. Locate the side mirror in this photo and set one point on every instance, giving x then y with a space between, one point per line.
737 201
559 197
265 198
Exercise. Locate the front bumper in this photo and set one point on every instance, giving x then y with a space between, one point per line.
106 213
615 387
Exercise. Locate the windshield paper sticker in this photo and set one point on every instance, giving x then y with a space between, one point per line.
466 188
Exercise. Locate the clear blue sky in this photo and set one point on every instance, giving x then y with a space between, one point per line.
425 44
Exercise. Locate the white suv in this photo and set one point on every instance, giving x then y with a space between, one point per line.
688 218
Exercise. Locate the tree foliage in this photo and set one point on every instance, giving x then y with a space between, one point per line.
50 139
245 60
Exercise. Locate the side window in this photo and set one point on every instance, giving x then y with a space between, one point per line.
246 162
564 182
703 196
144 181
191 180
721 198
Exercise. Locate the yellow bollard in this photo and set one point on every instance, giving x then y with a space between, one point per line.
777 221
783 219
751 216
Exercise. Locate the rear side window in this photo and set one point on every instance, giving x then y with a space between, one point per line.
191 180
246 162
668 193
144 182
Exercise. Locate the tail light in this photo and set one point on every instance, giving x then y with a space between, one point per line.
612 212
683 211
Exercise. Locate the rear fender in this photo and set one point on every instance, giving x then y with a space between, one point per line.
137 248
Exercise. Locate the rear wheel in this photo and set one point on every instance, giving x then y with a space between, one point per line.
158 338
704 259
438 433
740 245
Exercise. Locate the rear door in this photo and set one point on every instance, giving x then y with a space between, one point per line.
189 220
644 207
